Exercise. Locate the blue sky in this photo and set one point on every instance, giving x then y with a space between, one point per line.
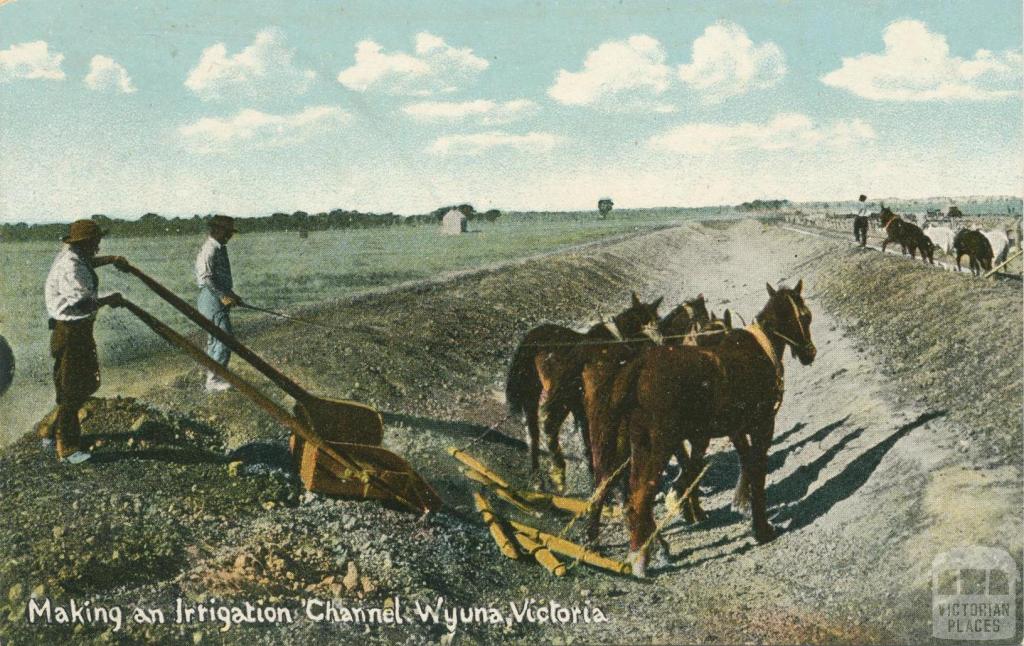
248 108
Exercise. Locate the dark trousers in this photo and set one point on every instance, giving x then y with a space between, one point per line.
76 376
860 229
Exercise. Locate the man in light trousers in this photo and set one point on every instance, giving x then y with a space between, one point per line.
216 291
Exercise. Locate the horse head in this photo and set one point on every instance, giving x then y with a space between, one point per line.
685 317
712 332
787 317
887 216
638 319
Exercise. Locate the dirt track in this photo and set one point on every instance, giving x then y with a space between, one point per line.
900 441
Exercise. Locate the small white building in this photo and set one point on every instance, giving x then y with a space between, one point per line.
453 223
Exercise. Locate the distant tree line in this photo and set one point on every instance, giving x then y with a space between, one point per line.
152 224
763 205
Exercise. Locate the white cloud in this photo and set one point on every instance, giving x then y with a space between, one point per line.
260 129
434 67
264 67
106 74
483 111
786 131
30 61
617 75
727 63
917 66
479 143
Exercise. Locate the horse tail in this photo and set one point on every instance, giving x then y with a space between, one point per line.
522 379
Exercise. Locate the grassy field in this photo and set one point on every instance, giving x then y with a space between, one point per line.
273 270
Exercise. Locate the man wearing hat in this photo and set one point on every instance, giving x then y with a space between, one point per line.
216 291
860 222
72 301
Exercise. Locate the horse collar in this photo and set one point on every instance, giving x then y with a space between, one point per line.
614 329
757 332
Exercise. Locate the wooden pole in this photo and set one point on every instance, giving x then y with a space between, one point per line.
1004 263
572 550
477 466
542 554
505 544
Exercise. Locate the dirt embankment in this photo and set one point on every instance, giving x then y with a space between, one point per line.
874 468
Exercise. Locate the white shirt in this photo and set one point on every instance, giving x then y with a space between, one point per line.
863 209
213 268
71 287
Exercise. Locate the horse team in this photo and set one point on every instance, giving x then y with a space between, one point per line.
643 389
982 248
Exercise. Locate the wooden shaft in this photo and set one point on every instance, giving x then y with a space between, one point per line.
505 544
542 554
286 384
474 464
1005 262
264 402
572 550
498 490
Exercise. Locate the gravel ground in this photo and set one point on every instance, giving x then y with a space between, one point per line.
900 441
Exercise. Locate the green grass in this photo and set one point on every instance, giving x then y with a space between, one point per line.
273 270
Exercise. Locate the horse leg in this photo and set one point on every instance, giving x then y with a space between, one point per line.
741 498
533 427
553 420
674 502
700 447
758 471
579 422
643 481
691 468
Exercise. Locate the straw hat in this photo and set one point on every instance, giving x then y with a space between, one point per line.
82 230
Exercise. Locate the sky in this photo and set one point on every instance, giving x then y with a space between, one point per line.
247 108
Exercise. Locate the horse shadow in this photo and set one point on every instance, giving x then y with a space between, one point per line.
795 486
809 508
725 472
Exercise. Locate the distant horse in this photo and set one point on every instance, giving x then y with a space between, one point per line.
908 235
941 237
976 247
540 359
734 389
1000 242
569 392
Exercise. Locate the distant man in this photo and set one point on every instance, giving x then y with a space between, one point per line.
72 302
216 291
860 222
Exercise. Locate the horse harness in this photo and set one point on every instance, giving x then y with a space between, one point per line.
613 329
759 335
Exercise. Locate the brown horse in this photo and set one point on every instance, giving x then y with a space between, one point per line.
567 392
976 247
909 236
612 440
540 361
669 395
